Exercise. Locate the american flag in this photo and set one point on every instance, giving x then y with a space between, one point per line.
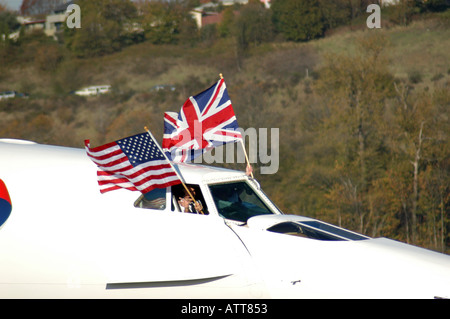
135 163
206 120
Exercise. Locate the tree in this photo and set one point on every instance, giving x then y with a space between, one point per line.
252 26
335 12
8 23
437 5
166 22
355 89
419 139
298 20
225 26
104 27
402 11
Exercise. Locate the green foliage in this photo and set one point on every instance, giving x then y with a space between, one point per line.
437 5
8 23
225 26
253 26
298 20
167 22
103 27
402 12
335 12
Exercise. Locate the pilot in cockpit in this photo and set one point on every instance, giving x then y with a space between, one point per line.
186 202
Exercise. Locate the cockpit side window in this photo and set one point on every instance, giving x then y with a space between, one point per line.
238 201
155 199
179 192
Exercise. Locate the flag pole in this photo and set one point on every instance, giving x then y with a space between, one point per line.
242 142
176 172
246 157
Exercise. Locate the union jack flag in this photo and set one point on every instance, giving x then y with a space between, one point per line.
206 120
135 163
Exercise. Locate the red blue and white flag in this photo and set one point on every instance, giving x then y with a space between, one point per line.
5 203
135 163
206 120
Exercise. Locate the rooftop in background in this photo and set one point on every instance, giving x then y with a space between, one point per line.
33 7
205 13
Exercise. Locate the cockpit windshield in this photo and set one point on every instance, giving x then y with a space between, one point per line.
238 201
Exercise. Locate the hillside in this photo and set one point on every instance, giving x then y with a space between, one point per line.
351 171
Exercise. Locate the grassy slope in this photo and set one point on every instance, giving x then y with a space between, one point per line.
422 46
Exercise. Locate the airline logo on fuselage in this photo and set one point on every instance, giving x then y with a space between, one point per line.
5 203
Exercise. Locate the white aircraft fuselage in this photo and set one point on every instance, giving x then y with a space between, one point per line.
64 239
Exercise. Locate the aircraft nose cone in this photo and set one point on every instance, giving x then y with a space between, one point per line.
5 203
